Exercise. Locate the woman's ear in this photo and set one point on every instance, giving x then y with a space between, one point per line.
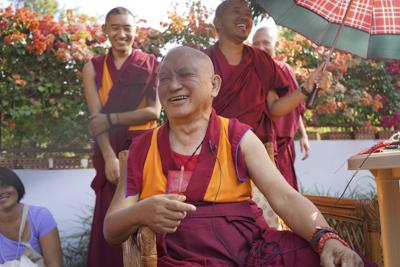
216 85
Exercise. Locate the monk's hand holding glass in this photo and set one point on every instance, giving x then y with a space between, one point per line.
163 213
98 124
335 253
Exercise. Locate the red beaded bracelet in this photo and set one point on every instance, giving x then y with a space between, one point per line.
328 236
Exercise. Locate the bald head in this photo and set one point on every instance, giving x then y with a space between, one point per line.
219 12
189 56
265 38
187 83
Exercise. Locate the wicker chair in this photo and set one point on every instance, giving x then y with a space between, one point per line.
140 249
356 221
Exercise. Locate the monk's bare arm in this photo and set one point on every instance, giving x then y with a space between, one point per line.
94 106
280 106
298 212
139 116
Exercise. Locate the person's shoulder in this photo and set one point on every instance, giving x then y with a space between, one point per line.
39 212
260 54
236 130
140 55
141 142
90 67
144 60
209 51
99 59
42 220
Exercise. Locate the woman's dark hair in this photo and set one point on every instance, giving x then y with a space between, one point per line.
10 178
118 11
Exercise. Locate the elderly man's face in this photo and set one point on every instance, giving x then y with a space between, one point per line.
185 84
265 41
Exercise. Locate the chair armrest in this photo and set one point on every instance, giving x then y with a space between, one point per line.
140 250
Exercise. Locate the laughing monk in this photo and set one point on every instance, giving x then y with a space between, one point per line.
209 161
250 77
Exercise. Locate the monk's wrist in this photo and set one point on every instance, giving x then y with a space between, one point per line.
115 118
305 90
109 155
109 120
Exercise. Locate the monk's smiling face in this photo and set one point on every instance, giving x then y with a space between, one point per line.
120 30
234 21
187 83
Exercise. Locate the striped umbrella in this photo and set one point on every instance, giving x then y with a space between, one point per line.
367 28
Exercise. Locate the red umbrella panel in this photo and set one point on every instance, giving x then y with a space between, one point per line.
371 28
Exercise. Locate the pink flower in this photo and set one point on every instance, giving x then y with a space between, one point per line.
3 24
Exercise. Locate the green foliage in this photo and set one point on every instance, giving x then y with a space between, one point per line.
42 102
364 94
75 246
43 7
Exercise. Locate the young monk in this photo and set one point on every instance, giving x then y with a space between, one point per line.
250 77
121 97
209 160
266 39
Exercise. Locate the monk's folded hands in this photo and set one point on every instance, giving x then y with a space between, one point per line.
335 254
163 213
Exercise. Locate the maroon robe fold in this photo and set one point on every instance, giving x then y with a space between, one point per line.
245 86
217 234
131 83
285 129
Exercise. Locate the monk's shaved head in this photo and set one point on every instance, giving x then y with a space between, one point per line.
219 12
187 84
191 55
118 11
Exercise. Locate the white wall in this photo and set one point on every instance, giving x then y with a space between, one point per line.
67 193
326 171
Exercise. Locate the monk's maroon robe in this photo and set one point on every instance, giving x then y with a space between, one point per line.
245 86
131 83
217 234
285 129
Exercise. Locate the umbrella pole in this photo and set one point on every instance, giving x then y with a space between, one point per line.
315 91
